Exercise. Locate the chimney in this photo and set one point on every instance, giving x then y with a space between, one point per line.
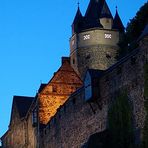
64 59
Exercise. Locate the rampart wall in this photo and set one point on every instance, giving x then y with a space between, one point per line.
76 120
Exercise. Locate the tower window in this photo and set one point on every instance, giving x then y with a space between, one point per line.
86 37
108 56
108 36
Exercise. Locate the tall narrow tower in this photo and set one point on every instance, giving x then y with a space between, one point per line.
95 37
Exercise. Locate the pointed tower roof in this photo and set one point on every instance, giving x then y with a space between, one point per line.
94 9
105 12
117 23
78 16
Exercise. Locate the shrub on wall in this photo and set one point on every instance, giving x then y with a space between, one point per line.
120 122
145 130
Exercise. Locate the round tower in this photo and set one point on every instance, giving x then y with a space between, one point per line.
95 37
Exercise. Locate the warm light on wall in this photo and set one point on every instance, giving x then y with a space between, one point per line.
57 91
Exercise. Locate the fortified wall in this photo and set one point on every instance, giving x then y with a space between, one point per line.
77 119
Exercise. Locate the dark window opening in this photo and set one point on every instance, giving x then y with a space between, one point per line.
108 56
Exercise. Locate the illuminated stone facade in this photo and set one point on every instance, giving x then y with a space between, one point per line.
64 82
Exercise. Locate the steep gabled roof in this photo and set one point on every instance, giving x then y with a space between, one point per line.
105 12
62 75
117 23
23 104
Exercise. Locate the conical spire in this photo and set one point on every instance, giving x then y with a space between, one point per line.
117 23
77 20
94 9
105 12
78 16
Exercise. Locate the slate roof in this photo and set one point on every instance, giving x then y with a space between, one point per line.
117 23
78 16
92 15
23 104
105 12
94 9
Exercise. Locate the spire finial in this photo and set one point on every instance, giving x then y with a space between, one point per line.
116 8
78 3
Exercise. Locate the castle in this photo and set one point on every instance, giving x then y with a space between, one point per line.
73 106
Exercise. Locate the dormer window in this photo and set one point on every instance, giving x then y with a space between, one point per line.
91 84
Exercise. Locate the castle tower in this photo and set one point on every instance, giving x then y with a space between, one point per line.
95 37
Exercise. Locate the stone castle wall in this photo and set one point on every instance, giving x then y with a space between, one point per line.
16 135
76 120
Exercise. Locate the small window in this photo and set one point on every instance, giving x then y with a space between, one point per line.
34 117
108 56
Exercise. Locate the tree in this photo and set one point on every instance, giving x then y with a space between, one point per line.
133 31
120 122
